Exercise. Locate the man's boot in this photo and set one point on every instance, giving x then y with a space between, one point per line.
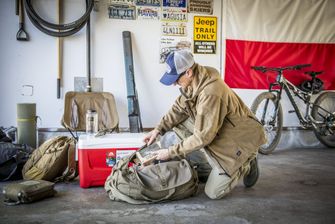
251 178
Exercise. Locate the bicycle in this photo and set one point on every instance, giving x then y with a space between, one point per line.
319 115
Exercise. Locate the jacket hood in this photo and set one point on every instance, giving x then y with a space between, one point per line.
202 76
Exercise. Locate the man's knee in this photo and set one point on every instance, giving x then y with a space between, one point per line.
210 193
215 193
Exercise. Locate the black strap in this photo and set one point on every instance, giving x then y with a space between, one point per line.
13 171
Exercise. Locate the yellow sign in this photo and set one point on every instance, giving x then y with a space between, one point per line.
204 39
205 28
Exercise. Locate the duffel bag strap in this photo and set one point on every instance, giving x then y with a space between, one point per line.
10 202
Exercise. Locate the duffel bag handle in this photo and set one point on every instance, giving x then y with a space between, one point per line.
10 202
114 190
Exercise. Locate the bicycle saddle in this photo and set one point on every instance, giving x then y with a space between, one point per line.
313 74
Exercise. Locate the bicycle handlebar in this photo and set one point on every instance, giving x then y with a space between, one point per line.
259 68
298 67
279 69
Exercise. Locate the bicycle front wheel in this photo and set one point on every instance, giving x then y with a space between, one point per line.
324 110
264 107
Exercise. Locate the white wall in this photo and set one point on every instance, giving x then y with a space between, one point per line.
35 62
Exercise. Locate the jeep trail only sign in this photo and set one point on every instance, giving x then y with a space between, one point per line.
205 32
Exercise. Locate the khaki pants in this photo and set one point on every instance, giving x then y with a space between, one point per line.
218 183
196 158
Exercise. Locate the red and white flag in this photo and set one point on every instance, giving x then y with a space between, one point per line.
279 33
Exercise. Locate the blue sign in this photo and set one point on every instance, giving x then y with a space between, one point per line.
156 3
174 3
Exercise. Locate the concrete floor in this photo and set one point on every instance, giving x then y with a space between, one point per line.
295 186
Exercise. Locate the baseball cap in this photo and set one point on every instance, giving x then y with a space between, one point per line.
177 63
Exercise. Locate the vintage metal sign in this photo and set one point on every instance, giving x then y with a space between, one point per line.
174 3
124 2
174 15
156 3
174 29
201 6
117 11
148 13
169 44
205 34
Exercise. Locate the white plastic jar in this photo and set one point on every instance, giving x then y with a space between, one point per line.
91 122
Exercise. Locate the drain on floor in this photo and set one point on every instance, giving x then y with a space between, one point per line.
308 182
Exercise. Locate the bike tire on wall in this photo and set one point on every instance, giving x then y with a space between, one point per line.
325 100
273 136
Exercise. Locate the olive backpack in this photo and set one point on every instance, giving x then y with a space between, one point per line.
53 161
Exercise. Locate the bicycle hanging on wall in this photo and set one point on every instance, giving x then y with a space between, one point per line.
318 115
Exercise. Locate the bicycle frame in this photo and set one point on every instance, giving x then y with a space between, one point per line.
306 120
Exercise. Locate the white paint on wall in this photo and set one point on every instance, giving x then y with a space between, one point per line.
35 63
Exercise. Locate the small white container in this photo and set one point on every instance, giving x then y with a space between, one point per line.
91 122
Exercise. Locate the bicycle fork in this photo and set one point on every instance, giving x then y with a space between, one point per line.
272 122
277 94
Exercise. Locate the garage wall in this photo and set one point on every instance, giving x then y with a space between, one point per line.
35 62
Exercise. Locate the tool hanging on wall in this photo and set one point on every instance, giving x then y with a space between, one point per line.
58 30
59 49
21 35
134 115
88 83
17 7
88 52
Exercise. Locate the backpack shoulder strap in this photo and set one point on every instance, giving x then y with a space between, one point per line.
71 170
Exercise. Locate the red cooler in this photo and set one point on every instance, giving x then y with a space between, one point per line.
97 155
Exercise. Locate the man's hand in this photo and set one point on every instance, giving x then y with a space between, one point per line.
151 137
162 154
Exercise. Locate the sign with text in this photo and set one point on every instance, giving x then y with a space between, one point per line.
176 15
205 34
174 29
169 44
201 6
156 3
174 3
124 2
151 13
118 11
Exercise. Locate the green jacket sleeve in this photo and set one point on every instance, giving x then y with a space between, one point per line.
210 113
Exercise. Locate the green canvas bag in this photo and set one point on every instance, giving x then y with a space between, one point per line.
27 191
172 180
54 161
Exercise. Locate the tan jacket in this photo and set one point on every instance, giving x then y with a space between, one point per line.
222 122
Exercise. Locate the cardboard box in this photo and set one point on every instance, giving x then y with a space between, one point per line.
97 155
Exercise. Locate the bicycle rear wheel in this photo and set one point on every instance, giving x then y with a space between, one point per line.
271 122
324 110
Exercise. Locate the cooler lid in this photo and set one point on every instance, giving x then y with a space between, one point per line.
115 140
